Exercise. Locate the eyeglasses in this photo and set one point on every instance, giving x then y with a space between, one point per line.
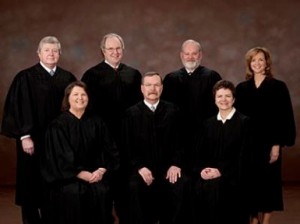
111 49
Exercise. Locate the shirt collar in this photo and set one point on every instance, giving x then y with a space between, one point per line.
189 71
112 65
150 105
229 116
46 68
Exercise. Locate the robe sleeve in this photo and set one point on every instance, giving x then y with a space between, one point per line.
58 162
287 127
110 157
18 114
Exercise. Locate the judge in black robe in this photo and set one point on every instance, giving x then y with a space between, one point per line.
191 89
222 162
267 102
114 86
78 161
33 100
157 185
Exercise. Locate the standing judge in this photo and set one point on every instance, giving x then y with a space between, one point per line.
33 100
267 102
190 88
114 86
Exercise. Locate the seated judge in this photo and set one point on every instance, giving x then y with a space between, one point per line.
222 162
79 158
157 184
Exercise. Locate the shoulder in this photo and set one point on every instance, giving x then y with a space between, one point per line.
26 73
135 109
64 71
129 70
168 105
204 71
241 116
243 84
277 82
95 69
176 73
60 121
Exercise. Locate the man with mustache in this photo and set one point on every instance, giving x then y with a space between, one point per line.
191 89
157 184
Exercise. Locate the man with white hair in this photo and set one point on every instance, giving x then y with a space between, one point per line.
33 100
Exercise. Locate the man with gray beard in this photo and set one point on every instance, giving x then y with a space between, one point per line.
191 89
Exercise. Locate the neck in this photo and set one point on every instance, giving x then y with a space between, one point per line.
225 113
151 101
77 113
258 78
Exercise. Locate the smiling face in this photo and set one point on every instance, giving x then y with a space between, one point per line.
113 50
49 54
78 99
152 88
258 63
191 55
224 100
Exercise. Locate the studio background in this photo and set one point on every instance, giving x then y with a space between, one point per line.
153 32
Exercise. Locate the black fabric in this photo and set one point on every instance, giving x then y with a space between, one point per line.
112 91
74 145
227 147
270 109
152 140
33 100
193 94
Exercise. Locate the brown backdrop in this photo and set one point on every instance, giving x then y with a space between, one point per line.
153 32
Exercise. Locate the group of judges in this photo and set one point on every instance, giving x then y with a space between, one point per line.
122 147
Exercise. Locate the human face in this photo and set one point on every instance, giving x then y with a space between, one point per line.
224 100
49 55
78 99
258 63
152 88
191 56
113 51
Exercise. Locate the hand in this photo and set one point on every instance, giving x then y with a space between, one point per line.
210 173
28 145
274 154
97 175
146 175
173 174
85 175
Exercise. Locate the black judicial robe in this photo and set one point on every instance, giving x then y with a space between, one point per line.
152 140
226 146
112 92
74 145
33 100
269 107
193 94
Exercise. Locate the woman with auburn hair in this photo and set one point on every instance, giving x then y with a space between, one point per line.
267 102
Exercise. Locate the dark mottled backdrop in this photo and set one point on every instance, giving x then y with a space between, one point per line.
153 32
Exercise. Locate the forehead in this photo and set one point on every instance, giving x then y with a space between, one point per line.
190 47
223 91
77 89
112 41
152 79
49 45
259 55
